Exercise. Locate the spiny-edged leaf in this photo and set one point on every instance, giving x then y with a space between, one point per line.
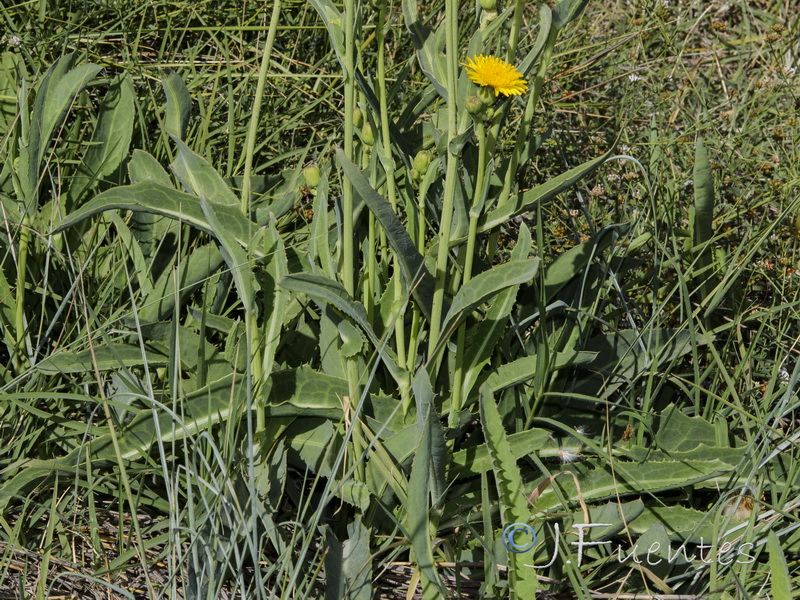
677 432
219 401
540 194
357 561
513 503
575 260
473 461
683 524
601 482
159 304
730 456
304 391
111 139
200 178
486 285
153 198
313 445
416 275
614 516
522 369
332 292
781 582
418 511
107 357
234 255
179 104
432 427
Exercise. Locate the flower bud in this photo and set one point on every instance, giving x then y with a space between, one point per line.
366 134
414 174
312 176
487 95
474 105
358 117
422 161
489 5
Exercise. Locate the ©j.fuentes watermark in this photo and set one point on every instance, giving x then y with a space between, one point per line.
725 554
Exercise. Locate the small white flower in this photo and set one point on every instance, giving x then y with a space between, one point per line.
789 71
14 41
665 3
612 177
783 374
625 149
634 77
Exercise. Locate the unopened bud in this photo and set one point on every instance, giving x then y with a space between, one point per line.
488 4
487 95
358 117
312 176
366 134
414 174
474 105
422 161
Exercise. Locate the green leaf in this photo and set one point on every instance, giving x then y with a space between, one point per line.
306 392
540 194
238 261
332 292
513 503
334 23
143 167
703 216
357 561
679 433
200 178
601 482
418 509
430 47
177 285
683 524
486 285
12 70
200 410
473 461
153 198
523 369
179 104
416 275
567 11
107 357
781 582
111 139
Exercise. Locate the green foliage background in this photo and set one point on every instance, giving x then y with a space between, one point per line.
259 344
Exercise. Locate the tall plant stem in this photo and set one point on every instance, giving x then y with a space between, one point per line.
388 165
474 214
451 172
527 117
250 144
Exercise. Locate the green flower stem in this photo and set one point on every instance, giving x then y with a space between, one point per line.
388 163
527 117
469 255
516 26
252 131
451 172
348 230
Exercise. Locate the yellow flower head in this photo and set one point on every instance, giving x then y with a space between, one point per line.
497 74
